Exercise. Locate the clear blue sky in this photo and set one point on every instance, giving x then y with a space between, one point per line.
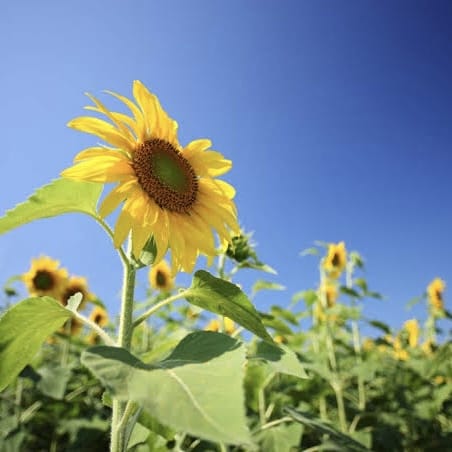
337 116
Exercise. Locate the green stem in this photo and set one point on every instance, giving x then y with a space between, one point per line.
124 341
159 305
94 326
356 341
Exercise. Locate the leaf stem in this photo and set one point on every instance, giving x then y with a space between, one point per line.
159 305
94 326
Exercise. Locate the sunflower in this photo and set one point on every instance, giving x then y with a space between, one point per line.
435 292
77 284
160 277
215 325
329 290
45 277
170 192
335 260
100 317
412 327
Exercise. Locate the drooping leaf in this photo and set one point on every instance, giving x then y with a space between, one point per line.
380 325
335 436
225 298
197 389
278 325
280 358
23 329
260 284
59 197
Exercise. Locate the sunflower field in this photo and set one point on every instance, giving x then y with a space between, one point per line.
198 367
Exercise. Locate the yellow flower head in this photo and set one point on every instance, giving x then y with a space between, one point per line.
168 191
77 284
435 292
99 316
215 325
412 327
160 277
335 260
368 344
45 278
329 290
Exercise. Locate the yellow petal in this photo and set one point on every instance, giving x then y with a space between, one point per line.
95 151
100 169
196 146
103 130
137 114
122 227
160 124
114 198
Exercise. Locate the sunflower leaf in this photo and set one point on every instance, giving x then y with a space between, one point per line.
23 329
198 389
59 197
225 298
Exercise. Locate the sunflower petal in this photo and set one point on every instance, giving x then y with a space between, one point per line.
103 130
100 169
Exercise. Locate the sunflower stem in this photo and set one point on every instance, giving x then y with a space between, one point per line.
124 341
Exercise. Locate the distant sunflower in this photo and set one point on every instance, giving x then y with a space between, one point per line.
435 292
100 317
329 291
160 277
77 284
412 327
169 192
215 325
45 277
335 260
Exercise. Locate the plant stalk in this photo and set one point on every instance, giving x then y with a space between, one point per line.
124 341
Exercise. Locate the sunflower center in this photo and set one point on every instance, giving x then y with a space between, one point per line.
165 175
97 319
336 260
160 278
439 295
69 292
43 280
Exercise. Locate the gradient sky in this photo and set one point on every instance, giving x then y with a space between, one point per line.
337 116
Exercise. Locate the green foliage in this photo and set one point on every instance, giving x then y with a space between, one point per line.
225 298
23 329
59 197
194 390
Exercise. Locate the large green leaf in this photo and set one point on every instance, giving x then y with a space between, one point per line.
280 358
23 329
58 197
198 389
225 298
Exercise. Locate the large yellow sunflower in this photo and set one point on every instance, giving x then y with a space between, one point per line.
169 192
45 277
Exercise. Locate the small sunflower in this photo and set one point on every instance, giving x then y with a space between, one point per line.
77 284
335 260
100 317
169 192
329 290
215 325
412 327
160 277
45 277
435 292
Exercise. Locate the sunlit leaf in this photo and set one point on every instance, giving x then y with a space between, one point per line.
198 389
23 329
282 438
280 358
225 298
59 197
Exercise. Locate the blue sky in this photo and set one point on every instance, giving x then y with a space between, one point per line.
337 116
